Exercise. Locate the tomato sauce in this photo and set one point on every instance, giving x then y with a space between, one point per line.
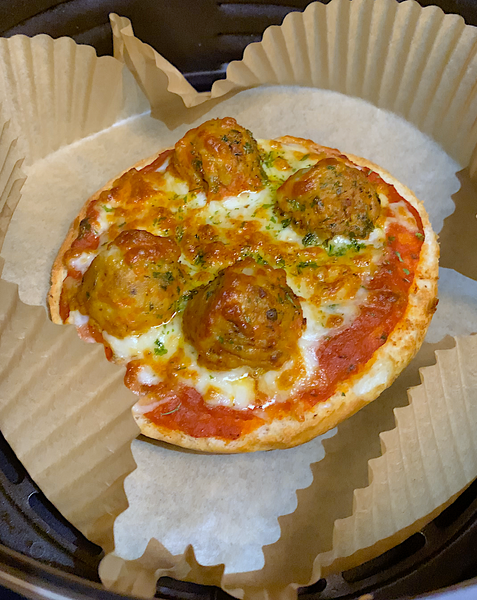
186 411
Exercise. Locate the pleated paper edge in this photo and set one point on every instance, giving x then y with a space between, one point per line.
12 177
57 81
89 493
353 541
453 378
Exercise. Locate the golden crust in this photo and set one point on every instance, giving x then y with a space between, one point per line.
378 374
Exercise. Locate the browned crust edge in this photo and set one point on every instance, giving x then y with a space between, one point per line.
386 364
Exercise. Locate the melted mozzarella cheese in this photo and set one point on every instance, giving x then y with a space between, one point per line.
76 318
146 376
81 263
161 342
161 168
402 216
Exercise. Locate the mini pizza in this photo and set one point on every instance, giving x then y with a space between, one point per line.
257 292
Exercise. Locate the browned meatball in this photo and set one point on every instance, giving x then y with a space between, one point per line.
133 284
330 198
246 316
220 158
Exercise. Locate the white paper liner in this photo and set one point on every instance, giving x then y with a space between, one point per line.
334 35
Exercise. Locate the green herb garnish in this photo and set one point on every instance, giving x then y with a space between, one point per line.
159 349
173 410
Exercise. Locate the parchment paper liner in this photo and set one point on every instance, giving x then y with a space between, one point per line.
72 435
57 91
449 116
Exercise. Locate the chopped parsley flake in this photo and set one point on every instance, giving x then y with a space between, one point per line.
173 410
179 233
199 259
341 250
159 349
269 159
336 250
307 264
285 223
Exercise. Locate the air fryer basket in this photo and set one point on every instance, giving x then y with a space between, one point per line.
39 549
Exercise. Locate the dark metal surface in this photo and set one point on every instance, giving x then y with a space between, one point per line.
36 543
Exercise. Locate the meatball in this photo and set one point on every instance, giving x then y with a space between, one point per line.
220 158
247 315
133 284
330 198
